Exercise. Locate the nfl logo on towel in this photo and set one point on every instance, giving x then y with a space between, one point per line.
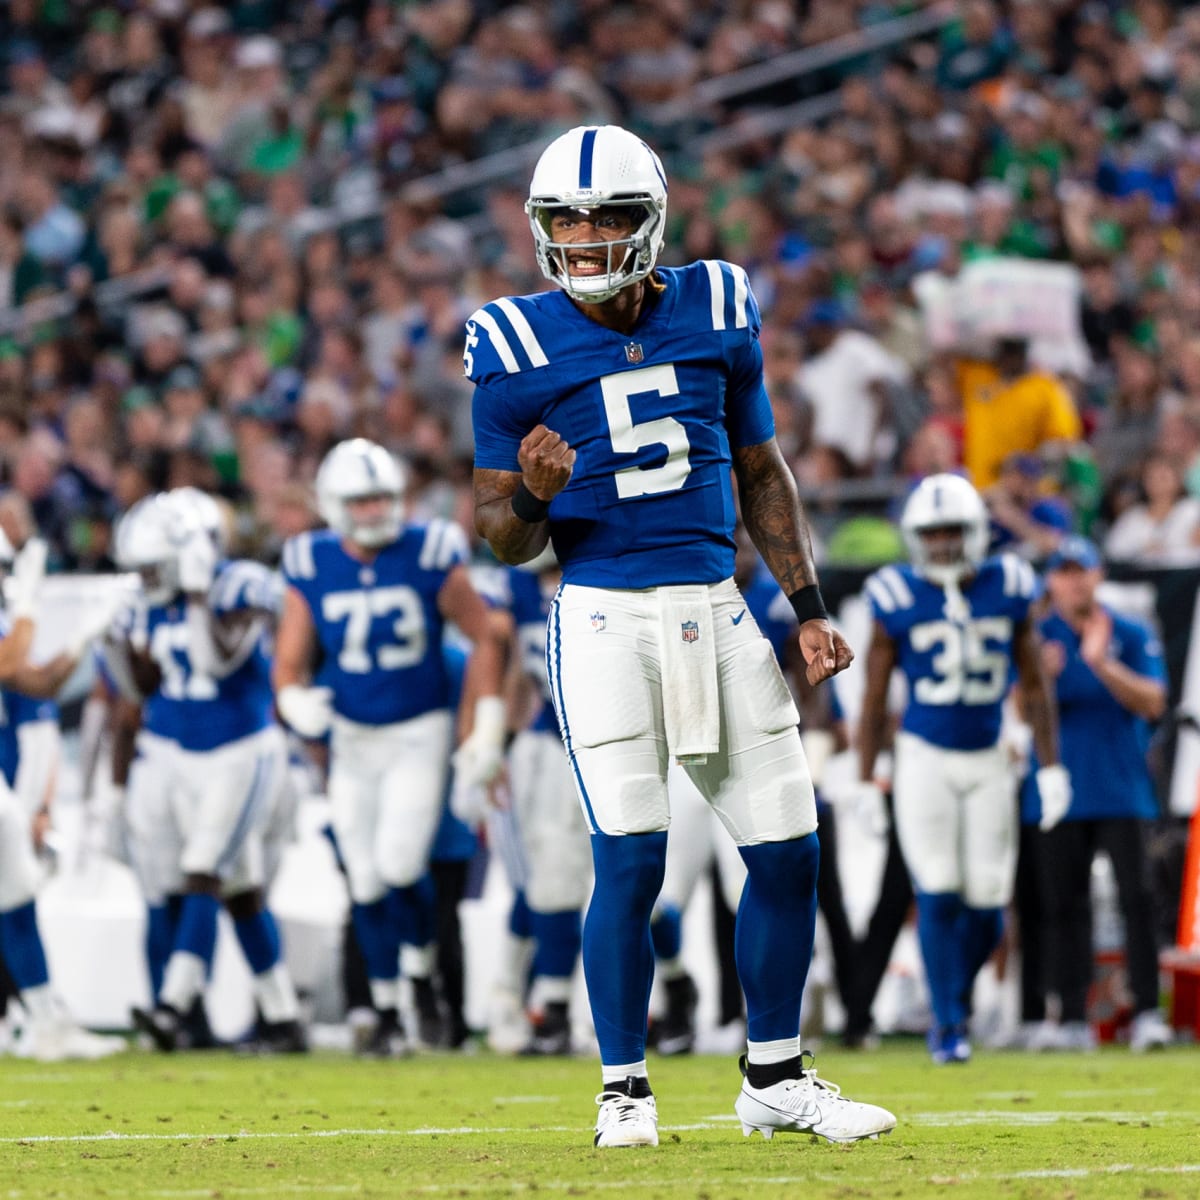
691 631
633 352
598 621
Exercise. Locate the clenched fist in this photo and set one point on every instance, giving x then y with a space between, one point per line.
546 463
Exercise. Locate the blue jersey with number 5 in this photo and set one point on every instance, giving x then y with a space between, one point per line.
202 712
378 627
651 416
958 671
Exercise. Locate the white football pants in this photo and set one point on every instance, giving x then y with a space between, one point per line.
956 818
387 784
606 674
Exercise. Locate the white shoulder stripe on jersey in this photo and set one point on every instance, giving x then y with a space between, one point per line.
882 597
741 292
298 557
524 331
1006 566
427 560
894 582
499 341
1028 580
716 281
444 544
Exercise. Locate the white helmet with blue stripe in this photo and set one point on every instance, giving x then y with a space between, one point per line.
359 469
595 167
945 502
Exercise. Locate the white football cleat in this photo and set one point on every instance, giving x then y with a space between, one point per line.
809 1105
626 1121
1149 1032
56 1041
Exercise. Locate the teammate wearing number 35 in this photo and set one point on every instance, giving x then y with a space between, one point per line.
608 414
956 624
359 655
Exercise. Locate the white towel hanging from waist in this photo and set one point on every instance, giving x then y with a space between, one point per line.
691 707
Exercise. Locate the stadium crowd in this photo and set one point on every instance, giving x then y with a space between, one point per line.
241 206
230 238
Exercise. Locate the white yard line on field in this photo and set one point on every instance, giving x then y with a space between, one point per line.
716 1122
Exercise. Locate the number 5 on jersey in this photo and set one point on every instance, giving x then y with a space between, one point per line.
628 437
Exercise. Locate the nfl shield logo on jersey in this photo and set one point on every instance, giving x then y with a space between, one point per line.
633 352
691 631
598 621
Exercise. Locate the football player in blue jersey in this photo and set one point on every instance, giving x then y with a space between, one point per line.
211 759
608 414
49 1032
958 625
359 654
1111 683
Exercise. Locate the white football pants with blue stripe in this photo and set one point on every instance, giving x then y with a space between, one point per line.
203 812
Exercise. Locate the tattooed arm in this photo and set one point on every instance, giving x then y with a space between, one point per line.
772 514
775 521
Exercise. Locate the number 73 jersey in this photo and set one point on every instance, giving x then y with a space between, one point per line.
651 416
378 627
958 671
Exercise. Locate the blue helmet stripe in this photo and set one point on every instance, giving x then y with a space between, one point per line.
586 149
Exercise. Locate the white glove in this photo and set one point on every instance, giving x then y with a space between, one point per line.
1054 787
197 563
480 759
865 800
25 581
818 749
308 710
96 621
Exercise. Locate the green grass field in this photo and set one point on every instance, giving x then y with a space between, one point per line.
215 1125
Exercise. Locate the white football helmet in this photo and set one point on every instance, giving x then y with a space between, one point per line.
199 510
148 538
591 167
940 502
359 469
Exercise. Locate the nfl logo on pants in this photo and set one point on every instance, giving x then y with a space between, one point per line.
690 631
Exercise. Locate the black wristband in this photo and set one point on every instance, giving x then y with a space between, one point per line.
807 604
527 507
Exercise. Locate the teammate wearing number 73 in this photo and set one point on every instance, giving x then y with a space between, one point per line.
956 624
358 655
608 414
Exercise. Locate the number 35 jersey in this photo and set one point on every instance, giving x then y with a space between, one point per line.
958 672
651 416
378 627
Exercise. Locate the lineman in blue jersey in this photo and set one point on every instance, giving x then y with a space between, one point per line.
957 625
212 761
608 415
359 653
1110 682
49 1033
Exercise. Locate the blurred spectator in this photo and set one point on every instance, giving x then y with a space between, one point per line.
1009 408
847 378
1163 527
